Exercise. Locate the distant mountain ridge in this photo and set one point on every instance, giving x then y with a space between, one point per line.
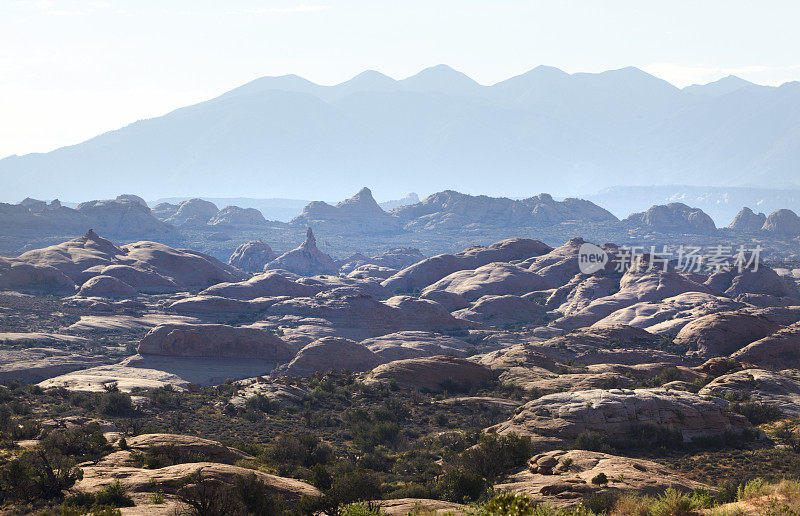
544 130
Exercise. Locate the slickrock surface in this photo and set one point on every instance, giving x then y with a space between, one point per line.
780 389
252 256
306 260
722 334
330 354
431 270
214 340
414 344
779 350
615 412
432 373
562 477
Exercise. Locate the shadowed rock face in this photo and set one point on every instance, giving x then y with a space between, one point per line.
306 260
747 221
214 340
615 412
783 222
673 218
252 256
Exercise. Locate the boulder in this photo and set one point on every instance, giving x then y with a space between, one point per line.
780 350
330 354
747 221
496 278
617 412
214 341
252 256
414 344
106 286
781 390
503 311
783 222
673 218
306 260
723 333
430 270
434 373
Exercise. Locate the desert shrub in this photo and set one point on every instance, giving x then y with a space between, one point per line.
255 496
359 509
495 455
601 503
355 486
600 479
504 503
593 441
753 489
302 450
756 412
671 503
261 403
113 495
38 475
156 457
116 404
157 498
84 442
461 486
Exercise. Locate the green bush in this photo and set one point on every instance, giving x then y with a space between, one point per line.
600 479
114 495
757 412
116 404
462 486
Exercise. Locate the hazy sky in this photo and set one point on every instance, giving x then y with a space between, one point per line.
70 69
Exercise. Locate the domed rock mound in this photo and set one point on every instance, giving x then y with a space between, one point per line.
673 218
106 286
252 256
214 341
433 373
783 222
330 354
747 221
306 260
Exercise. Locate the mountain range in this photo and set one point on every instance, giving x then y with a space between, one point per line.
544 130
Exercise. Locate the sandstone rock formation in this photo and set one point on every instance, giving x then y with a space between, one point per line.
673 218
502 311
214 341
560 476
252 256
306 260
211 450
330 354
783 222
431 270
780 350
733 283
34 364
38 278
495 278
414 344
236 216
454 210
434 373
781 390
194 212
747 221
370 271
724 333
615 413
359 213
269 284
106 286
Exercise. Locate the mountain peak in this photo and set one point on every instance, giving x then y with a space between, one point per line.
443 79
720 87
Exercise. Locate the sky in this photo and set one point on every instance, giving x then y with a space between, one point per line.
72 69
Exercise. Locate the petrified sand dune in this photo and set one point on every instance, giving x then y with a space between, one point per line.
414 344
252 256
431 270
432 373
778 389
780 350
615 413
330 354
502 311
721 334
496 279
305 260
214 341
